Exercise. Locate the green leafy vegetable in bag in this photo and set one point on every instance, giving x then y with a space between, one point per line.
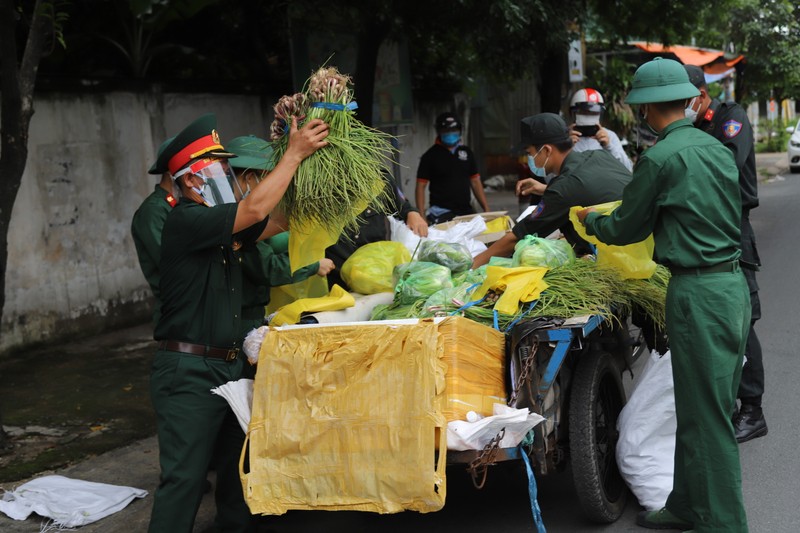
453 255
533 251
419 279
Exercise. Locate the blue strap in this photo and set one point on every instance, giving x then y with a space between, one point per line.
336 107
532 492
519 317
469 304
494 315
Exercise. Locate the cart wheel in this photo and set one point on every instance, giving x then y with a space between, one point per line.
596 399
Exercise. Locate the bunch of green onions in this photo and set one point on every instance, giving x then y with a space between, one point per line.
335 184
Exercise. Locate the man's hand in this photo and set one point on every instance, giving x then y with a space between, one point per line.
602 136
417 224
325 266
584 212
305 141
529 186
574 134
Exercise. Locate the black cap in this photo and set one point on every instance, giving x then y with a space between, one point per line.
447 121
696 75
544 128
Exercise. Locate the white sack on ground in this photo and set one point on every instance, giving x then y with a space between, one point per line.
68 502
463 233
239 395
647 424
474 435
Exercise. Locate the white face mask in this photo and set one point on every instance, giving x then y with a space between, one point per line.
690 112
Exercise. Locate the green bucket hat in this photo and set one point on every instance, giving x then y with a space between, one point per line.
154 168
660 80
250 152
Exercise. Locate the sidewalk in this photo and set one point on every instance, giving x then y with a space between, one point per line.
82 409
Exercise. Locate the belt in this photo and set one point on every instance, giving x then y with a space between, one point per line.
199 349
727 266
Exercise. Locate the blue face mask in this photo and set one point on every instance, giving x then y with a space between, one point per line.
537 171
450 139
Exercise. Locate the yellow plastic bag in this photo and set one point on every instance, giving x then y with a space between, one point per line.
632 261
307 244
313 287
336 300
369 269
518 284
347 418
503 223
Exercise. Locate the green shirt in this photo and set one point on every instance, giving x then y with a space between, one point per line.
685 191
146 231
201 275
265 267
586 178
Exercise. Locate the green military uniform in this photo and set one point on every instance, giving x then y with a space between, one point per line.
199 334
265 265
201 286
728 123
586 178
146 231
685 191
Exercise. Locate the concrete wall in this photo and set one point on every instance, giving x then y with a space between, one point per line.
72 267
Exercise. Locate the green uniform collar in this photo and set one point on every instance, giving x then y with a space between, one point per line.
684 122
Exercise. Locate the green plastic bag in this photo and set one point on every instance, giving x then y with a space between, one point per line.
448 300
369 269
533 251
453 255
418 280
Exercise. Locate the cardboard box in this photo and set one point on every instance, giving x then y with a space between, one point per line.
489 236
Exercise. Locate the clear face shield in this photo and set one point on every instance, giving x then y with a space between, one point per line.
219 186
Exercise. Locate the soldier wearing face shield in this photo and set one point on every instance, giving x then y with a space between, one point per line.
199 331
685 191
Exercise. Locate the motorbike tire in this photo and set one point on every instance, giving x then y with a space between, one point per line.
596 399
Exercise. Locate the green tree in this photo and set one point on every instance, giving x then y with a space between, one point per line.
40 26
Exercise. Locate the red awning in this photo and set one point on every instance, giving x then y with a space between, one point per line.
691 55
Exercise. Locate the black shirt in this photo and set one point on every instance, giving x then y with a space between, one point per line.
586 179
449 174
728 123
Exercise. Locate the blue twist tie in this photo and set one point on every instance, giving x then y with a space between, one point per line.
336 107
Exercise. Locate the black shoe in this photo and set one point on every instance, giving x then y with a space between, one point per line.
662 519
749 423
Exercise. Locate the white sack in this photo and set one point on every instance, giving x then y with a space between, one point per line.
359 312
69 502
647 425
462 233
239 395
465 435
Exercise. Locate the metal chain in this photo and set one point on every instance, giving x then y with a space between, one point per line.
527 364
478 467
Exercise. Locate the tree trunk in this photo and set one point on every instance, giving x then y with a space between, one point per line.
364 78
553 75
17 81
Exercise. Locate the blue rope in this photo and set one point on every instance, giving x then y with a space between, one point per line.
530 308
532 493
336 107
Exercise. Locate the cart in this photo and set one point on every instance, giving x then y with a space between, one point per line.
570 372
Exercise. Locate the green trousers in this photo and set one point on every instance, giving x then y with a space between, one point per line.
708 318
196 429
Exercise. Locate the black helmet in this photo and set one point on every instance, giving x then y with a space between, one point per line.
447 121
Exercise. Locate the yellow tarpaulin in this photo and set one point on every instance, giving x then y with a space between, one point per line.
347 418
632 261
518 284
336 300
